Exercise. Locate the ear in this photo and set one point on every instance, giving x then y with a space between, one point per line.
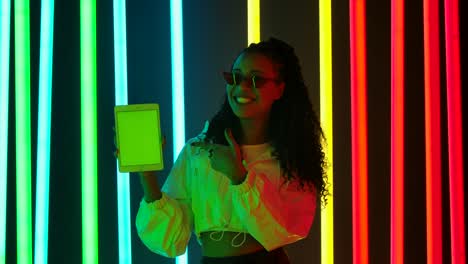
280 90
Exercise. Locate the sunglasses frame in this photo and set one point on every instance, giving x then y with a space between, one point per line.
231 79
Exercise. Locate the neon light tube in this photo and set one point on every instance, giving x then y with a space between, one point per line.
89 131
326 117
178 107
123 181
177 52
23 133
359 130
397 132
253 21
455 144
5 10
432 128
43 132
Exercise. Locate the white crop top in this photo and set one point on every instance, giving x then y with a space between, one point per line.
198 198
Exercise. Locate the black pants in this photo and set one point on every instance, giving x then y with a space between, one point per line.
277 256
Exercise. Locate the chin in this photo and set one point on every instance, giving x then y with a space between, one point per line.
247 116
243 115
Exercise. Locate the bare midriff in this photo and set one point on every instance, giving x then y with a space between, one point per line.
224 247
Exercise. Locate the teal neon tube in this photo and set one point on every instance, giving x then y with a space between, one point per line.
43 132
123 184
177 52
5 10
89 132
23 133
178 109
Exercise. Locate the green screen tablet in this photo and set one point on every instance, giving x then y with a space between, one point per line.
138 135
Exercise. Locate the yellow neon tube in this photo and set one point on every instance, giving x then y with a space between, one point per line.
326 119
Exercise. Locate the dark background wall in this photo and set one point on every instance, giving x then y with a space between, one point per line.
214 33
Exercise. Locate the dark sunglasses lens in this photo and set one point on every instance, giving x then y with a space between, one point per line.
237 78
228 77
259 81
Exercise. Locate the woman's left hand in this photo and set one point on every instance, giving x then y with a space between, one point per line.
227 159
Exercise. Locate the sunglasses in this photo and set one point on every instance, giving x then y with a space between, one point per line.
236 78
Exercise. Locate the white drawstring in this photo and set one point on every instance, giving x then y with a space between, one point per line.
243 241
232 241
217 239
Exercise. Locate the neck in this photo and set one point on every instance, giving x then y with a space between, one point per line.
253 131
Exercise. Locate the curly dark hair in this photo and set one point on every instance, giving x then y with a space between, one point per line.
294 129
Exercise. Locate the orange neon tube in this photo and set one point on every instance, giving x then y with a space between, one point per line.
359 130
455 144
432 124
397 132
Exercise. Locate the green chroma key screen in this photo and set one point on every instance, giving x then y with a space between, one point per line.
138 136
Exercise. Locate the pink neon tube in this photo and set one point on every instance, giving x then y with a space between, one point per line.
397 132
359 130
433 144
455 144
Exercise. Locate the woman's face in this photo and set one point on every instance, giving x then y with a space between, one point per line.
252 98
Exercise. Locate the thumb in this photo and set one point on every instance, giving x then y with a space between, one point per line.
233 145
230 138
232 141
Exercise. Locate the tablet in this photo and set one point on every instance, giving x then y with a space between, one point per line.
138 136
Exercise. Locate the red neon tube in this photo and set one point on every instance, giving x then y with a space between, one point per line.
455 144
433 144
359 130
397 132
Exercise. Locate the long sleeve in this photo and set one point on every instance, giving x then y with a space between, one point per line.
274 216
165 225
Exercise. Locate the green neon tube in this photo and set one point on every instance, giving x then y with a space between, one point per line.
178 108
123 183
23 133
5 10
89 132
43 132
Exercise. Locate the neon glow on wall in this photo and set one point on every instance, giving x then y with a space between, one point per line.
326 119
43 132
455 138
5 10
23 133
397 132
123 181
357 16
89 144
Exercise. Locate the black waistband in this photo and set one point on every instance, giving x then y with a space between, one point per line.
276 256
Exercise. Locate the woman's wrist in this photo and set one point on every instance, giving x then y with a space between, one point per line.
150 185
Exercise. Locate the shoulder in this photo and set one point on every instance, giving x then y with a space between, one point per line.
200 137
189 144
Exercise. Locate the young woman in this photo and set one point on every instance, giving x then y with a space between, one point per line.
250 182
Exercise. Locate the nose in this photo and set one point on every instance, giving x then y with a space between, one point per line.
245 83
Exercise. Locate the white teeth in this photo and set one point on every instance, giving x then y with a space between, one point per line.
243 100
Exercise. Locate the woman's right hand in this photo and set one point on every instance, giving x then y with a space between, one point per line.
148 179
116 149
149 182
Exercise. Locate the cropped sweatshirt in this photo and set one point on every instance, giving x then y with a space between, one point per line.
196 198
